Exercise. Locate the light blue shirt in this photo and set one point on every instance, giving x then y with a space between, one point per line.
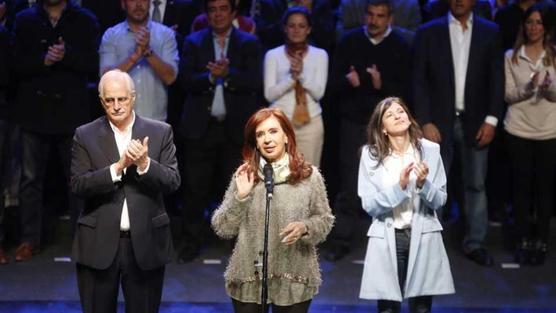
118 43
218 109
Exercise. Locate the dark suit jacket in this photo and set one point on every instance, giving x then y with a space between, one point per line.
53 99
271 31
181 13
433 77
98 230
241 87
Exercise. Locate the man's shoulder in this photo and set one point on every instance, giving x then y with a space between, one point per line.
434 25
242 36
92 127
152 124
160 29
118 28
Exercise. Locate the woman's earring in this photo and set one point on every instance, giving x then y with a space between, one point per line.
385 133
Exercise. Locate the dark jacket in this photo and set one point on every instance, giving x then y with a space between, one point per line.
98 228
241 87
53 99
392 59
5 65
433 77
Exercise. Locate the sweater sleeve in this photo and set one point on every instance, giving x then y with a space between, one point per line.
515 91
315 82
320 219
274 89
229 216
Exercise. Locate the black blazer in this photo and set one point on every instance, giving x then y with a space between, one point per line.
434 82
241 87
180 13
53 99
98 230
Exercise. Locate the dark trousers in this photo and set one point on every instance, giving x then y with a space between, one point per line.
417 304
98 289
533 165
242 307
35 151
347 205
209 164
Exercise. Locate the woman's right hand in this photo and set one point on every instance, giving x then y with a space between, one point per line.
404 175
244 181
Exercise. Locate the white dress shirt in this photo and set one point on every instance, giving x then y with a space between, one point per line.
123 138
460 40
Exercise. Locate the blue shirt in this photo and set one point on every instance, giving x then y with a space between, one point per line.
118 43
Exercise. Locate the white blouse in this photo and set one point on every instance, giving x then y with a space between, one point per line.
393 164
279 85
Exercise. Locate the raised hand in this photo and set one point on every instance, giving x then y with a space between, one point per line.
421 170
292 232
404 175
296 65
353 77
55 52
244 181
138 152
547 81
142 40
375 76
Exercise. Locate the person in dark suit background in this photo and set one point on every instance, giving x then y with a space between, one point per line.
121 165
221 72
458 84
55 51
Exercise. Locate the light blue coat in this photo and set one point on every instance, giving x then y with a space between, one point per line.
428 270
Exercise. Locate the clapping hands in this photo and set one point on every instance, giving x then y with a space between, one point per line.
421 171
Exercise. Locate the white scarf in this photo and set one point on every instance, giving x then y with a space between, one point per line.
281 169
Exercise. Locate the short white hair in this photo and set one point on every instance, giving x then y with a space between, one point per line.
116 74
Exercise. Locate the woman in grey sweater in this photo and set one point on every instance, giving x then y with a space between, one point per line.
300 218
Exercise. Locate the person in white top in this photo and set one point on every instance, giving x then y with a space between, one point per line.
401 184
295 77
531 96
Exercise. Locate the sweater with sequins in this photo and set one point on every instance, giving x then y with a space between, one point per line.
293 270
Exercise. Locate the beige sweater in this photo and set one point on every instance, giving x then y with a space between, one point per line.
531 113
294 272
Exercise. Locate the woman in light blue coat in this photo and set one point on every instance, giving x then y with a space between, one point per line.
401 184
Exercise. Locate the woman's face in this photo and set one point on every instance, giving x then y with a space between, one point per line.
271 139
534 29
395 120
297 28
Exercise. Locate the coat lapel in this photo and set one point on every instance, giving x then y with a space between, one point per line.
447 46
108 142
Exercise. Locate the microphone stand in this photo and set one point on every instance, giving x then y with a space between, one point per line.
264 290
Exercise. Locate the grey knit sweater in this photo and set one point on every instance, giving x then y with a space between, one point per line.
294 273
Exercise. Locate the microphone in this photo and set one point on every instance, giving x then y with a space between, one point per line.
268 179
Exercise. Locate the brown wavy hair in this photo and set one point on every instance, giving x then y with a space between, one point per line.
549 48
379 144
299 168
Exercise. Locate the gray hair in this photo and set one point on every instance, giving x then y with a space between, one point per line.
116 74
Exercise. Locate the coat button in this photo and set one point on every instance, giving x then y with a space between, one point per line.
389 225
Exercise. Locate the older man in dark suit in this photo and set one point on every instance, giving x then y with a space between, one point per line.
122 165
458 82
221 72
